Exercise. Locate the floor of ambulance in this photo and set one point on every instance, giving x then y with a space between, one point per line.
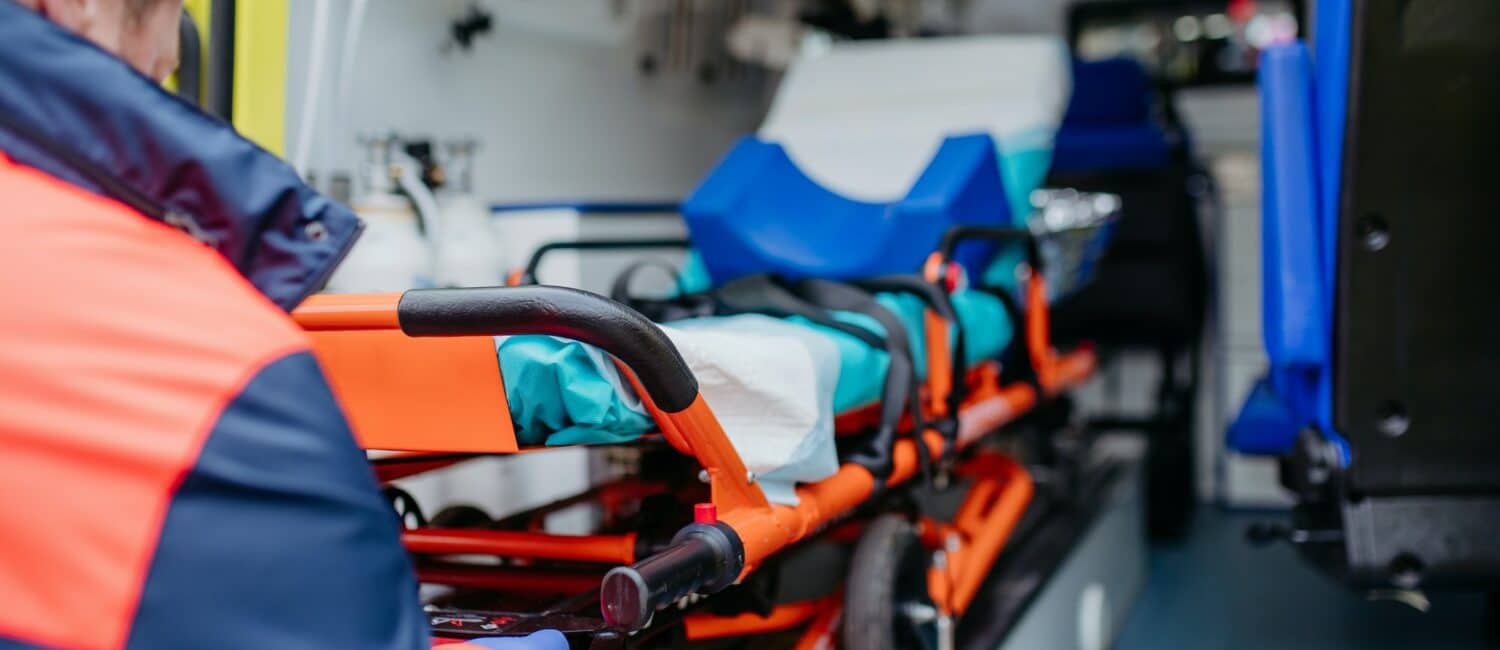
1214 591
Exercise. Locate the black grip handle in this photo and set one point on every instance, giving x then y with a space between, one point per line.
558 311
597 245
702 558
958 234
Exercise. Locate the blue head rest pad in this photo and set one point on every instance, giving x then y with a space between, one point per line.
1108 124
757 212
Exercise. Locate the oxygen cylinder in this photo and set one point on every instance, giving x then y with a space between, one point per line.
391 254
468 254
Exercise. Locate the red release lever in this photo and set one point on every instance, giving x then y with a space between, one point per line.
705 513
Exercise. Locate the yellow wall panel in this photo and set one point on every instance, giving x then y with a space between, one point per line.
260 49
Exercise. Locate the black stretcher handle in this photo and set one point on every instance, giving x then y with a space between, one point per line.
529 274
702 558
557 311
958 234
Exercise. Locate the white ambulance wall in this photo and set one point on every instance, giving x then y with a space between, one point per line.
560 114
554 97
553 94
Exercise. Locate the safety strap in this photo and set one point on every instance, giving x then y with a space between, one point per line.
764 294
901 385
938 301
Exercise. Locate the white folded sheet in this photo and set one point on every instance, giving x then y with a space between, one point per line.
771 385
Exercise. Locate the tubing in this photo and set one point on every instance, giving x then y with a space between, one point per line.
613 549
410 181
312 93
349 50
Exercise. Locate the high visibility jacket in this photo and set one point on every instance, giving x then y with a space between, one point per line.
174 472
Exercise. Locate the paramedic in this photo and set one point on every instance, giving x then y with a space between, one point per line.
174 472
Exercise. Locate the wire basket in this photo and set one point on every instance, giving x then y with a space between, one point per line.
1072 231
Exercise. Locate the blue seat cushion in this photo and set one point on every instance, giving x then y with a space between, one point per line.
1087 148
1109 124
1110 91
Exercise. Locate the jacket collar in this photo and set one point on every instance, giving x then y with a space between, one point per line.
82 115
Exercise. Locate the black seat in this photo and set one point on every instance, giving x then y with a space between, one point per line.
1121 136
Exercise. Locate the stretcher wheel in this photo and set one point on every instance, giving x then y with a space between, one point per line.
461 515
886 600
408 511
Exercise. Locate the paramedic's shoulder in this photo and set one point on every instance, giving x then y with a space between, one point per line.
175 464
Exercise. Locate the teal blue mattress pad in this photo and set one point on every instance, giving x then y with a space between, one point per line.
562 392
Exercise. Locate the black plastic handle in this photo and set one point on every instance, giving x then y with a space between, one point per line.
597 245
958 234
558 311
702 558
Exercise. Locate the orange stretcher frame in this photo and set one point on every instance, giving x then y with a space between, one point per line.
390 383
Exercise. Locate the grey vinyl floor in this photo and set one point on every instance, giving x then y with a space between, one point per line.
1215 592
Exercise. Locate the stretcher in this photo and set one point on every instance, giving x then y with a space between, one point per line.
420 379
689 542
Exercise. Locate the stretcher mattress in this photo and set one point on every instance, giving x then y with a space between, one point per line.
563 392
775 385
